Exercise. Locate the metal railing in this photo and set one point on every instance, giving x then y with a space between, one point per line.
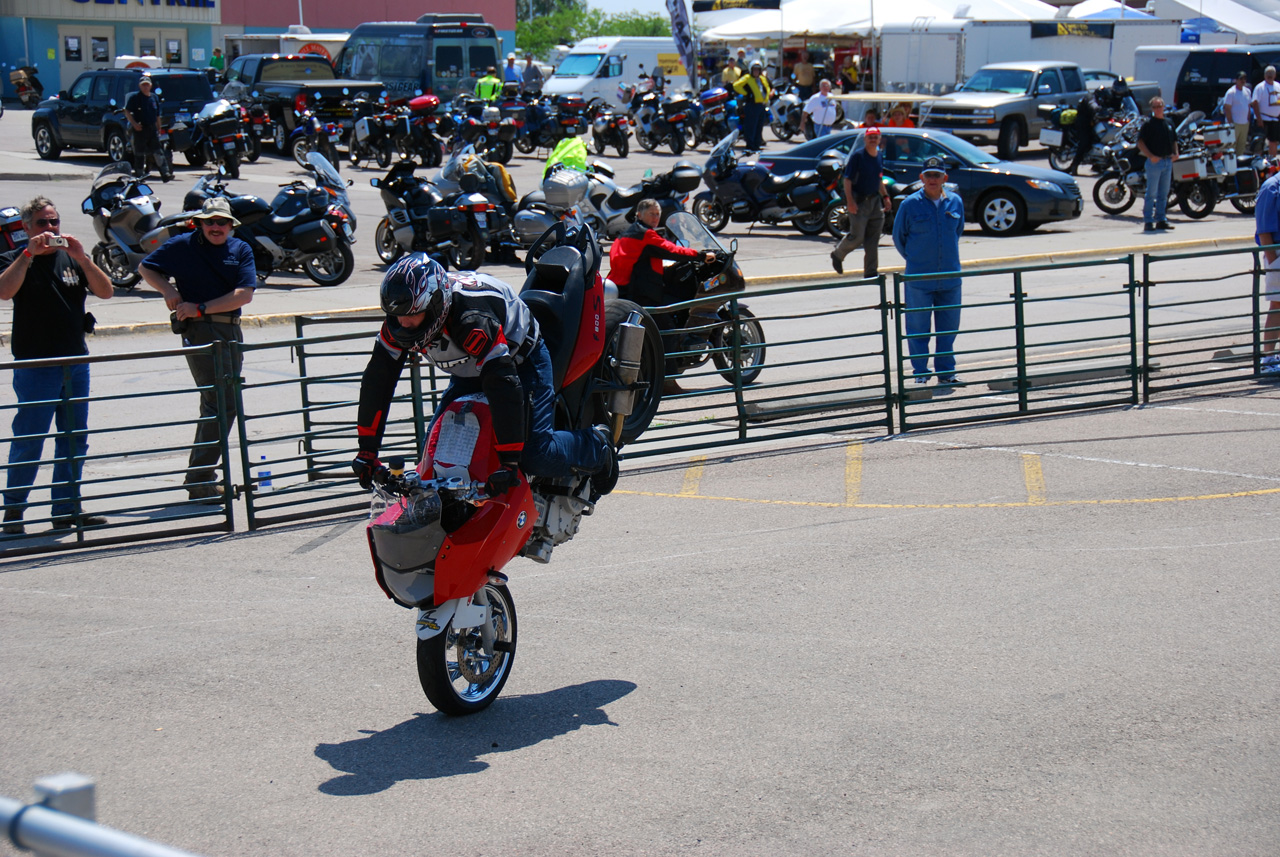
1032 340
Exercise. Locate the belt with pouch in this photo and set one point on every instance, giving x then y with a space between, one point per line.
219 318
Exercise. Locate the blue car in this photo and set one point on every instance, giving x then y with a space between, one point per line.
1002 197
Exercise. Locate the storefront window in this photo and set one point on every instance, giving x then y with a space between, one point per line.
73 50
173 51
101 49
147 47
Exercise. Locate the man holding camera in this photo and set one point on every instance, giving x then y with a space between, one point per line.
215 276
47 282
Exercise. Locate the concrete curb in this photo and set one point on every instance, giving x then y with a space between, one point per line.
992 262
47 177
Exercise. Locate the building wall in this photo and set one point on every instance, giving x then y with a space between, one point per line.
257 15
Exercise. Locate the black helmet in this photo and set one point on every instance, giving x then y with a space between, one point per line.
1120 87
417 283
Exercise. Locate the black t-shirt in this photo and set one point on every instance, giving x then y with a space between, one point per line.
144 108
48 311
1158 136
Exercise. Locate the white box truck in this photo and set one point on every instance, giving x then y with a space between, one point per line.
934 56
593 68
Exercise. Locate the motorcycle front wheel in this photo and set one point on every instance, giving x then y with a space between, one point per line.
1113 195
255 150
384 242
646 140
525 144
1198 200
332 268
456 673
648 386
750 348
501 152
597 143
782 131
299 148
122 276
713 214
622 146
676 140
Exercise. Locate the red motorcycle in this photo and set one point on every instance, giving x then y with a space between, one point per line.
439 544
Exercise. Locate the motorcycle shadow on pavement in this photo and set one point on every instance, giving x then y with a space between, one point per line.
429 746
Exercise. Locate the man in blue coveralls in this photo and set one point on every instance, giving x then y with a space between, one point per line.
927 232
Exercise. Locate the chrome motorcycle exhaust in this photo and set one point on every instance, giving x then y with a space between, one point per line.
626 363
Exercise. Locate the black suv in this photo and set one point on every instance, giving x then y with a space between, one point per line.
90 115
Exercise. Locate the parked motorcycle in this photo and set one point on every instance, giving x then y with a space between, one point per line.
786 111
220 134
709 330
1063 134
309 226
451 229
126 218
713 118
647 117
1125 177
372 136
313 135
419 133
489 193
439 544
599 202
27 86
610 129
481 125
258 127
752 194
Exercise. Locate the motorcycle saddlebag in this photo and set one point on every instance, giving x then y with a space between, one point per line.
1246 180
443 221
314 237
808 197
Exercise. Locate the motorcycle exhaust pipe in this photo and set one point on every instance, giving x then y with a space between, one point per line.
626 363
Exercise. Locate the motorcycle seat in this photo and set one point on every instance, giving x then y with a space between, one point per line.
626 197
779 184
554 293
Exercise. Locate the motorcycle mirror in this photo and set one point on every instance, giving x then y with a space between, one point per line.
733 246
648 174
374 182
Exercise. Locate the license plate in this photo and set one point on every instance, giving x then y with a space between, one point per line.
333 138
230 147
18 235
182 117
1051 137
257 130
482 221
346 230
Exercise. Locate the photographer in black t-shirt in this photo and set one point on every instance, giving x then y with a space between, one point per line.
1159 145
47 281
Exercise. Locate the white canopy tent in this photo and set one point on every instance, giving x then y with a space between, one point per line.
1255 22
860 17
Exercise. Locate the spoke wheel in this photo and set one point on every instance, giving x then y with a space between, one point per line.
751 347
1244 204
467 252
837 219
384 241
332 268
713 214
1113 195
1199 200
456 673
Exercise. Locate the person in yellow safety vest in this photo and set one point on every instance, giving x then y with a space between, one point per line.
755 91
490 86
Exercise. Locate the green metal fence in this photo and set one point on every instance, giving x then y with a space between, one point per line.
1032 340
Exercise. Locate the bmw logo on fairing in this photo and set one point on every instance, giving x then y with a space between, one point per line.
520 521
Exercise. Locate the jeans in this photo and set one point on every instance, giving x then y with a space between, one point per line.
753 121
547 452
945 315
207 451
1159 177
44 396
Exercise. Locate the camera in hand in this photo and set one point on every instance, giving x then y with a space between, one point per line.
57 241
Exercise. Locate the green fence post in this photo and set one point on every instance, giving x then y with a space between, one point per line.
1257 310
1142 393
735 356
882 283
419 416
304 392
1020 335
900 350
222 363
69 435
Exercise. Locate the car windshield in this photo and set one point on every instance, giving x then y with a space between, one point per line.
182 87
579 65
966 150
1011 80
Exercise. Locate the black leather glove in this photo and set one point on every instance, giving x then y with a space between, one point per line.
363 465
502 481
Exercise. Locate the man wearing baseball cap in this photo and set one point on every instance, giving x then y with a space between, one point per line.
214 276
867 201
926 231
142 109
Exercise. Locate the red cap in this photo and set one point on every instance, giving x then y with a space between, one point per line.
873 130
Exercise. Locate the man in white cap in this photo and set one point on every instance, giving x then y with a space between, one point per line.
214 276
511 74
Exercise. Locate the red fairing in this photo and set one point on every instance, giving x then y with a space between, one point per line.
590 344
498 531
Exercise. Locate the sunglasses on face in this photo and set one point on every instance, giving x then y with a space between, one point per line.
48 221
216 221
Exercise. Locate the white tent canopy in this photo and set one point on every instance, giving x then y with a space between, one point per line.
1257 18
856 17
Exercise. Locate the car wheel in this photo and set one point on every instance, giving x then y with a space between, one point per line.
46 144
1007 146
1002 213
279 138
117 148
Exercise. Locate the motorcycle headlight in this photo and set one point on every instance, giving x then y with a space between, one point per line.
1040 184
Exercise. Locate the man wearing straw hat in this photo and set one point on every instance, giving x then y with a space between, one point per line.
214 276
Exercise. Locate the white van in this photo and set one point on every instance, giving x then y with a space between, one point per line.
595 67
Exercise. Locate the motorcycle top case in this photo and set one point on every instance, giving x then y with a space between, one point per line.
686 177
314 237
565 187
712 97
424 105
674 107
1219 135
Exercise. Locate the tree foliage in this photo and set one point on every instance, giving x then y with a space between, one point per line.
563 22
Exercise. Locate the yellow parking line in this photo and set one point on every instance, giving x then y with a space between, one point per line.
1118 501
852 472
692 477
1033 475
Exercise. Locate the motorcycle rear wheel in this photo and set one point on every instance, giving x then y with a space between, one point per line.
501 152
255 150
1113 195
597 143
751 348
622 146
233 165
1060 158
332 268
385 243
646 140
1198 200
467 251
1244 204
525 144
456 674
384 154
676 140
648 383
812 223
836 218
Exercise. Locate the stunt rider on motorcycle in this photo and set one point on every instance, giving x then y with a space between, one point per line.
477 329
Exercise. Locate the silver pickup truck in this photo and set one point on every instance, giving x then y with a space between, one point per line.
998 105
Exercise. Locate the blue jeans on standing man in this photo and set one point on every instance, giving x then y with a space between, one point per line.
46 395
1159 177
937 304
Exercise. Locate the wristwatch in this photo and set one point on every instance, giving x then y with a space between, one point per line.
200 309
